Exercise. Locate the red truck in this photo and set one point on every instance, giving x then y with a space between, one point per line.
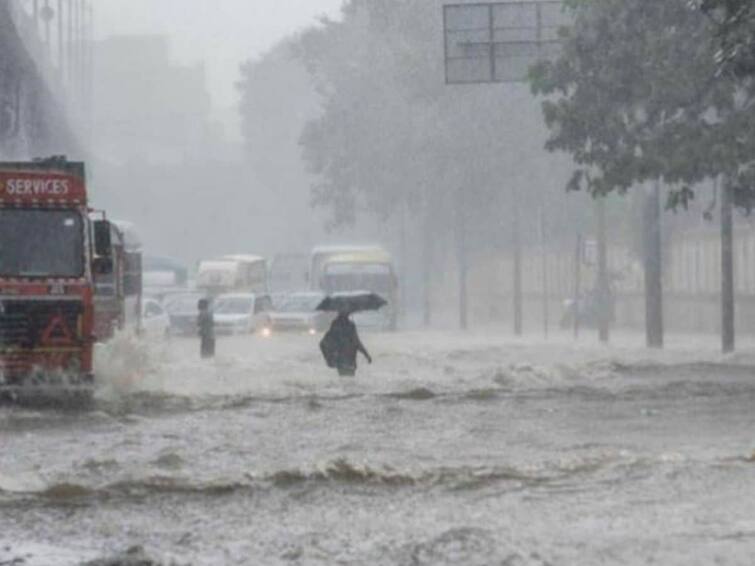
50 252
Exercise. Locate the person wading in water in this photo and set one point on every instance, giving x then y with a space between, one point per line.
206 326
340 345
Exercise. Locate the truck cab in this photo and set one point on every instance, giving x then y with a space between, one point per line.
50 251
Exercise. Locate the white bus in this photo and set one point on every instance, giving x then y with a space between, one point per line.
367 269
232 274
320 255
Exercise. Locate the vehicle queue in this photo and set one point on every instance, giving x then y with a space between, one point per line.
158 296
243 297
73 278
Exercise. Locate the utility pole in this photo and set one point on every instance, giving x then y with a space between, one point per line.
516 242
427 262
727 269
544 258
577 284
461 254
604 290
653 267
404 265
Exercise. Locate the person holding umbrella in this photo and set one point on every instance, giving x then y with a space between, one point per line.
341 343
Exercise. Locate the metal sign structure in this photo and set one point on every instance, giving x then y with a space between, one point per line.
499 42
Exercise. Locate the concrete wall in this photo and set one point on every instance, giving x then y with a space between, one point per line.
692 276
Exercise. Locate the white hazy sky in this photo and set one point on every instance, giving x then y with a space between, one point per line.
220 33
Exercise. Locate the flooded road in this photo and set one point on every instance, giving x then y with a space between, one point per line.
451 449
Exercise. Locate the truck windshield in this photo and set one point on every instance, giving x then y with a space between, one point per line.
41 243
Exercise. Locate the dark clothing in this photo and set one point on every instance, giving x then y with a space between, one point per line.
340 345
207 347
206 325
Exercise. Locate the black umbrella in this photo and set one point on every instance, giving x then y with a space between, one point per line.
352 302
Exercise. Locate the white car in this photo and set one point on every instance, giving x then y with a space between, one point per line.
242 313
155 319
297 312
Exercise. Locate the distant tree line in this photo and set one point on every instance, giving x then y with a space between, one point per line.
453 168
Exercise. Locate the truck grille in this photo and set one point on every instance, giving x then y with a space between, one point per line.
23 324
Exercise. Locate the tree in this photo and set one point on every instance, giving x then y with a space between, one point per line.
735 22
636 98
392 138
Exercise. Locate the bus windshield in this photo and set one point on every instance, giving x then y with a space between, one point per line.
358 277
41 243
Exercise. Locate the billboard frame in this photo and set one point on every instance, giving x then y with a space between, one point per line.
492 58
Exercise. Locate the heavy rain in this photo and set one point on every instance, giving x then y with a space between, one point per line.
375 282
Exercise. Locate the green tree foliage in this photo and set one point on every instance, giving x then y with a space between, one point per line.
636 96
735 22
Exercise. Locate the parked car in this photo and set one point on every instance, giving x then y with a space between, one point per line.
296 312
182 310
155 320
242 313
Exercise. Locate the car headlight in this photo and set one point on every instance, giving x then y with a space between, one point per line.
267 332
312 331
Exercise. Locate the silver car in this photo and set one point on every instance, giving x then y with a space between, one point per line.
242 313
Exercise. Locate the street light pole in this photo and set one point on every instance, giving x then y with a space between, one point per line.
516 238
727 269
653 268
604 290
461 254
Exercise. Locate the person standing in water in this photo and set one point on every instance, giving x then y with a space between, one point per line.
341 344
206 326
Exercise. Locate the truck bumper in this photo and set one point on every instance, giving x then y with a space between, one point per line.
48 367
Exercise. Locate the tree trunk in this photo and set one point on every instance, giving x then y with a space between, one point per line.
604 291
404 271
461 254
577 284
544 261
727 270
516 241
427 263
653 268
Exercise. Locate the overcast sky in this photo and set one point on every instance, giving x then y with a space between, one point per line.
221 33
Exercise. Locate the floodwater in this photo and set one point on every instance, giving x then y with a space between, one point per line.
451 450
